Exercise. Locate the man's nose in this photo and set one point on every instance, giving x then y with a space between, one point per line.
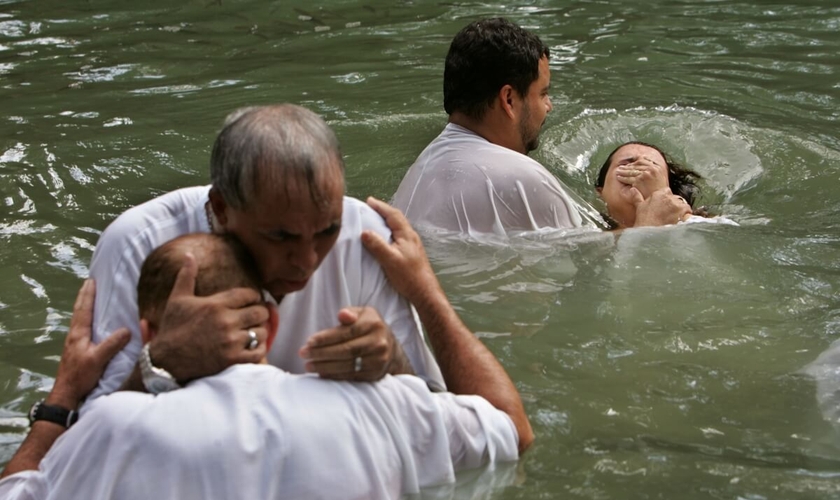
550 105
304 256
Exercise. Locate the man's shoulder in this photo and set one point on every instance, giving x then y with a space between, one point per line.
167 209
461 144
357 217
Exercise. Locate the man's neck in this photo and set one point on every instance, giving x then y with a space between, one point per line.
492 128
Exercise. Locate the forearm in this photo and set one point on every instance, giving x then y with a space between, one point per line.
467 365
40 439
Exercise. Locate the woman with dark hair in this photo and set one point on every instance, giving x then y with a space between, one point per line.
643 186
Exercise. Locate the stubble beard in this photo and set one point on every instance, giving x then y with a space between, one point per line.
530 138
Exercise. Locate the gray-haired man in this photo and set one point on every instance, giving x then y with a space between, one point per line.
278 186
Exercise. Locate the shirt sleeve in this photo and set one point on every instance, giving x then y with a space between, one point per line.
25 485
395 310
115 268
478 432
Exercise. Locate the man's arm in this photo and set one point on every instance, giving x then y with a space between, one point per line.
82 363
467 365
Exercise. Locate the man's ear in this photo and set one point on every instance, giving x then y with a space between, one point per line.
148 331
507 99
273 322
599 189
218 206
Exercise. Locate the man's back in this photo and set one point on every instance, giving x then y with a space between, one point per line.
464 183
254 431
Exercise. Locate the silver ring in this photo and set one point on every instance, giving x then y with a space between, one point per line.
253 341
357 365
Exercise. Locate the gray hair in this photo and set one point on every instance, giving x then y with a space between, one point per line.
267 145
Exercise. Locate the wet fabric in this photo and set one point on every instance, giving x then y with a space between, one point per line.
348 276
256 432
462 182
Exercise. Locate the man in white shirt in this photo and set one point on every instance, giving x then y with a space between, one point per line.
475 176
278 186
255 431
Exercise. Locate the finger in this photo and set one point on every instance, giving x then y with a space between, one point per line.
632 195
237 298
244 339
376 245
394 218
250 317
344 369
82 319
342 342
254 356
113 344
383 209
185 281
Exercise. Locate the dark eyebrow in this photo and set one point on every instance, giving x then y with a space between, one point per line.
334 226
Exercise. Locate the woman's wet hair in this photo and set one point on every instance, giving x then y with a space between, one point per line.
681 180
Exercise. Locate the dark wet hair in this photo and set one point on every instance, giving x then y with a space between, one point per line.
485 56
681 180
269 146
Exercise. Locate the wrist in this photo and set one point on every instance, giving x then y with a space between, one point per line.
160 355
63 398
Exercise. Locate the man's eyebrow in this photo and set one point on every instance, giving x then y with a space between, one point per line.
336 224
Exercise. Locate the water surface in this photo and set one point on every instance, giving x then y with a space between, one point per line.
660 364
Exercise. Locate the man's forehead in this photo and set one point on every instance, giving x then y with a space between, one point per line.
321 186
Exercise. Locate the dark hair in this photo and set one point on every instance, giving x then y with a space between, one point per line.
266 145
682 181
485 56
223 263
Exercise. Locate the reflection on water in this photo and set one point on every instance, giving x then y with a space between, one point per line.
661 363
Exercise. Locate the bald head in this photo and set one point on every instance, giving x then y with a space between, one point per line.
271 147
223 263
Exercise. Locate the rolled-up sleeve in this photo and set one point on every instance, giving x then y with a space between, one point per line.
25 485
478 432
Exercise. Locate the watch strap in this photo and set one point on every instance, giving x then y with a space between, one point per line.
51 413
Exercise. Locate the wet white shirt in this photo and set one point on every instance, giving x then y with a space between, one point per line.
462 182
257 432
348 276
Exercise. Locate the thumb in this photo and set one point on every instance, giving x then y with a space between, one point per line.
185 281
348 315
635 196
109 347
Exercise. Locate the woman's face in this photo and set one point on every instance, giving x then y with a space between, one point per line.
644 170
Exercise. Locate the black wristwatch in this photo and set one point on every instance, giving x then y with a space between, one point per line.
54 414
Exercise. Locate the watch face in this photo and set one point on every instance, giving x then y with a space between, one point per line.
33 411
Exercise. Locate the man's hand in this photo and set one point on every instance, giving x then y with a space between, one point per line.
662 208
83 362
362 335
181 345
404 261
645 174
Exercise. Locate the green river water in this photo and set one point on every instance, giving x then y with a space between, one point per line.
663 365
